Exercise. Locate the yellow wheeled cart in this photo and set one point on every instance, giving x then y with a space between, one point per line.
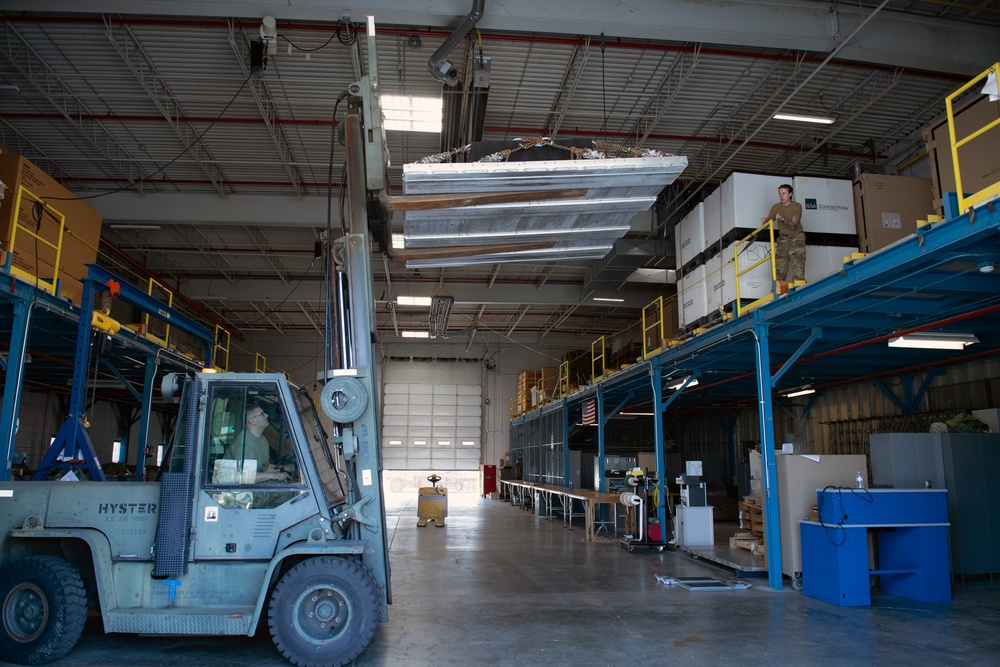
432 503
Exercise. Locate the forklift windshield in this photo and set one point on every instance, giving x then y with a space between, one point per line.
327 459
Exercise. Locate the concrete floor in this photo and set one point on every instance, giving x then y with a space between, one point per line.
499 586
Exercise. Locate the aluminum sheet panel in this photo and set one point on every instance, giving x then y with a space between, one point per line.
617 189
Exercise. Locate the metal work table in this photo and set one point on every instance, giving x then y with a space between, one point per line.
519 490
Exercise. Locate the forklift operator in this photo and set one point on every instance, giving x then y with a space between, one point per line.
251 444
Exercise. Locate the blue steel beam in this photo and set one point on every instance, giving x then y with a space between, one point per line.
147 304
148 392
601 420
658 447
121 378
20 328
914 402
816 333
772 528
565 423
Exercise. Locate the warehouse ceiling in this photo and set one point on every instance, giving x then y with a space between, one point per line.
218 181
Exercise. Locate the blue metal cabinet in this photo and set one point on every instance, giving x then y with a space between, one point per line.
912 534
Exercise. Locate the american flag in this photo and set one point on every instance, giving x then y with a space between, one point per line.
589 412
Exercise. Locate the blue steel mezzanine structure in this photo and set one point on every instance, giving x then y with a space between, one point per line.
40 329
829 333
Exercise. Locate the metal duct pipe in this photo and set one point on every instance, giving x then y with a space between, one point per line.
445 71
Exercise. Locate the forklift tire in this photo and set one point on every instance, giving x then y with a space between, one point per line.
324 612
44 608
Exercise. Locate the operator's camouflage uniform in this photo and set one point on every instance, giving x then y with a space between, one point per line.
790 246
790 256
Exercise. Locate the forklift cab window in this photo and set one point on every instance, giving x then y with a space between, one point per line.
249 447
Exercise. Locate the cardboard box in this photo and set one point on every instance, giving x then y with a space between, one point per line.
979 159
887 208
81 236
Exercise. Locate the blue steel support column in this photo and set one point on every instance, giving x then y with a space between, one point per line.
565 423
600 438
772 526
17 352
661 463
147 410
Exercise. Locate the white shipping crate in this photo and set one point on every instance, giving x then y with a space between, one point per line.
824 260
746 198
713 218
694 297
754 284
691 236
827 205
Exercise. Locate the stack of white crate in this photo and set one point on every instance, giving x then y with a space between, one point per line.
707 238
827 216
745 199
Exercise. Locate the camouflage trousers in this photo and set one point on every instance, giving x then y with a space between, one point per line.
790 257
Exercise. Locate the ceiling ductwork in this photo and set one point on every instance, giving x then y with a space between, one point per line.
443 70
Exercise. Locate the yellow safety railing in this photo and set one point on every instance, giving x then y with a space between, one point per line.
152 286
653 330
597 359
562 387
42 283
742 243
989 192
220 352
259 363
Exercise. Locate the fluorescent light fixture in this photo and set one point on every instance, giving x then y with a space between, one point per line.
799 392
416 334
125 226
412 113
609 299
638 414
444 443
680 383
803 118
402 300
468 443
395 443
932 340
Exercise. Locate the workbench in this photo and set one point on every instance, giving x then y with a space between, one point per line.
911 527
520 491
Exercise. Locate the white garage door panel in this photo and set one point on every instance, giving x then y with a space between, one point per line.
419 421
433 408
